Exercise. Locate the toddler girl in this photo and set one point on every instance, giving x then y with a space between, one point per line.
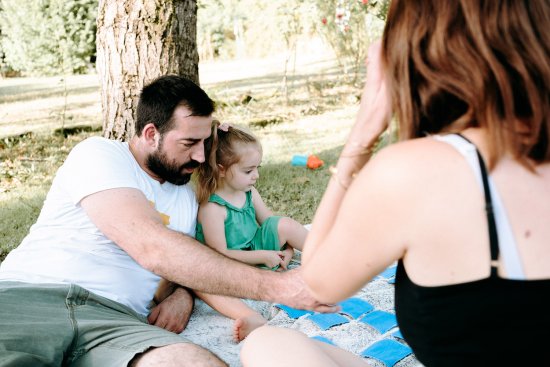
234 220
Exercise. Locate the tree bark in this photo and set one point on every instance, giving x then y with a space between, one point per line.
138 41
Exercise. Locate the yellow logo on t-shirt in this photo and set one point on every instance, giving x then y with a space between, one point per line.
164 217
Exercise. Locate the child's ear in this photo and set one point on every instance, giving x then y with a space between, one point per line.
221 170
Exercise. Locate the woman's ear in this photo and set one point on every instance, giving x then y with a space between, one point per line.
151 135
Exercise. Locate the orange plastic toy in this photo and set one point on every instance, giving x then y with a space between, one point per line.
314 162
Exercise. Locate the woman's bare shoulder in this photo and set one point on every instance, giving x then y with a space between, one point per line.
412 157
428 148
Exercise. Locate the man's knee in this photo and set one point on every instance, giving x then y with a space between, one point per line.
181 354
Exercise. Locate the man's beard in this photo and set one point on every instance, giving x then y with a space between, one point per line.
159 164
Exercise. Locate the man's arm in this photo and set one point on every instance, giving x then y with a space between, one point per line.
125 216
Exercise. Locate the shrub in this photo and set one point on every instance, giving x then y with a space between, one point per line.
349 26
45 37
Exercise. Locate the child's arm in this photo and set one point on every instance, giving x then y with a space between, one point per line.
212 217
262 211
164 289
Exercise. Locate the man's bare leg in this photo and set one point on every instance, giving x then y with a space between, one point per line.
180 355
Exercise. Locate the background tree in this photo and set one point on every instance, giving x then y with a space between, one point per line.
137 41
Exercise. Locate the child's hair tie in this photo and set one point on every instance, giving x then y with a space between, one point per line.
224 127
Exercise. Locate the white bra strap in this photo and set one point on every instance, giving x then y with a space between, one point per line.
507 244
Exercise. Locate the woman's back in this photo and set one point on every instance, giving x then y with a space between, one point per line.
464 311
447 239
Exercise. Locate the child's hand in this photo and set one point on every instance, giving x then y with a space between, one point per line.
286 257
272 258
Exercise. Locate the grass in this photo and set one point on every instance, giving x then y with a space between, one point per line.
26 172
313 118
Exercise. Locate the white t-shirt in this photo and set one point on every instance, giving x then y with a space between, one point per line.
64 246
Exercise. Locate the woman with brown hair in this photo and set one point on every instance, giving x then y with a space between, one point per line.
462 203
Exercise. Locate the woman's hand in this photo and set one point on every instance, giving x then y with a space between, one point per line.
374 110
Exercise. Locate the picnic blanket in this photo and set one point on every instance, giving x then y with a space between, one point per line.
366 326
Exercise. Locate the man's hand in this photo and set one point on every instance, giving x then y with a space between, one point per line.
173 313
292 291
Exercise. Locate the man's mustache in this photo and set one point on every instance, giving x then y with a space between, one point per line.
191 164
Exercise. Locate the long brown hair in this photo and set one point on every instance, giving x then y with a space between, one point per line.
221 151
455 64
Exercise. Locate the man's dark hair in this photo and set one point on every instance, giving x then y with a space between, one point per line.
159 99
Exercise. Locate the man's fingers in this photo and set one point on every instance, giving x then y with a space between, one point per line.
327 308
152 318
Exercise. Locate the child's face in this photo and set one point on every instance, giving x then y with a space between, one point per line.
242 175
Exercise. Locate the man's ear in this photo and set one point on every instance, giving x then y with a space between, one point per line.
151 135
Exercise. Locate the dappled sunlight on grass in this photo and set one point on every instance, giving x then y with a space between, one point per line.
309 135
44 104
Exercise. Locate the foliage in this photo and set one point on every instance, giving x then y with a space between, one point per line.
238 28
349 26
49 37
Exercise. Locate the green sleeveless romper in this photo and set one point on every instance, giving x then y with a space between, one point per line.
242 231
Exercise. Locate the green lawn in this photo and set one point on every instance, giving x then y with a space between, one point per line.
314 117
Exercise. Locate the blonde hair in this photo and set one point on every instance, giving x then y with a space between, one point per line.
221 151
456 64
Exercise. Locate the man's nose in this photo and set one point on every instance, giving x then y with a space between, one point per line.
197 153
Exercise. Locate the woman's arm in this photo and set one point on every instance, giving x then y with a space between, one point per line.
347 222
371 121
367 233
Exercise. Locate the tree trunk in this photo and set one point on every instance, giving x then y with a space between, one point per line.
138 41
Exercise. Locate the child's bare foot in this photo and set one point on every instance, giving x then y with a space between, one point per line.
245 325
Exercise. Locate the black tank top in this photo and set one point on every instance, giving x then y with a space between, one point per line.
489 322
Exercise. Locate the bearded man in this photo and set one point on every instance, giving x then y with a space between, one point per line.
79 290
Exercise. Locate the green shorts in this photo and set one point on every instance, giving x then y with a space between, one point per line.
66 325
267 236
